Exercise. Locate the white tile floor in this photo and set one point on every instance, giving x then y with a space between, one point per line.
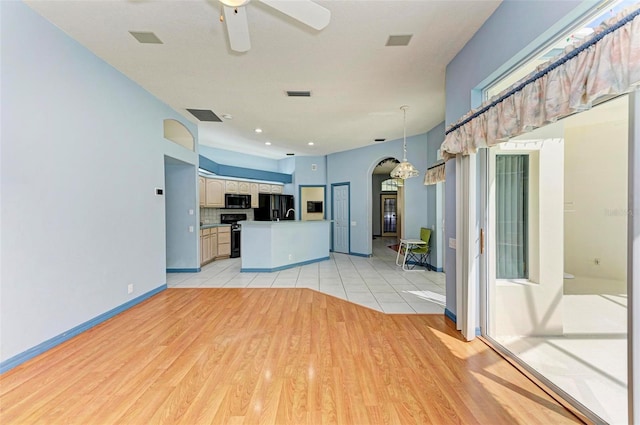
590 360
374 282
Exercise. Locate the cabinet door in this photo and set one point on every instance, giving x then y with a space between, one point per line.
264 188
255 198
202 191
276 188
206 248
244 188
231 186
213 245
224 241
214 193
202 253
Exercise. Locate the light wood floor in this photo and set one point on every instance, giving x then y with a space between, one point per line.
270 356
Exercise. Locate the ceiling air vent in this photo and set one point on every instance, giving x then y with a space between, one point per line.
146 37
298 93
399 40
290 154
379 140
204 115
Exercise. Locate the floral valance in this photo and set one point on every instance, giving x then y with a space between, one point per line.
435 173
607 63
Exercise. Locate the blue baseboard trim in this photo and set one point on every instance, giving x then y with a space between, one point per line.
287 266
357 254
449 314
436 269
196 270
32 352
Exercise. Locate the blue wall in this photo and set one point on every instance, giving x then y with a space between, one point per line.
356 166
514 31
82 153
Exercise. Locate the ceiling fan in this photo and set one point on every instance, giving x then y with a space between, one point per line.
235 16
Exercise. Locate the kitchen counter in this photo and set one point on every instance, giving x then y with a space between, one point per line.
269 246
210 225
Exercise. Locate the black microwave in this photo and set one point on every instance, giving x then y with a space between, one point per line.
232 200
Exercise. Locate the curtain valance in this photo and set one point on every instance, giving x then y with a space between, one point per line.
608 63
435 173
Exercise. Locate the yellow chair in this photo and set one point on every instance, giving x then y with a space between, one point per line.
420 254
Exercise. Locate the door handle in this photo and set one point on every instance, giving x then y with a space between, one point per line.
481 241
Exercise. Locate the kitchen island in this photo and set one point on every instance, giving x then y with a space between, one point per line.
269 246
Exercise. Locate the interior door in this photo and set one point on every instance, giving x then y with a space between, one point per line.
388 205
341 219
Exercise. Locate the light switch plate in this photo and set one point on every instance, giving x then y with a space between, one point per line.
452 243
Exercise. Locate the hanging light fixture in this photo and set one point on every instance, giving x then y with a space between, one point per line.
404 170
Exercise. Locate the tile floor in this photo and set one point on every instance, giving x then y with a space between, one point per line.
374 282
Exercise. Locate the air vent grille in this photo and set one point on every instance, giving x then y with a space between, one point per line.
379 140
399 40
204 115
298 93
146 37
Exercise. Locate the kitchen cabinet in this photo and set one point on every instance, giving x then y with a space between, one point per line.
244 188
264 188
208 245
255 197
202 191
224 241
205 246
231 186
270 188
214 193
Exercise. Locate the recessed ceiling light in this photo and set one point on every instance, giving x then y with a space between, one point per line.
227 116
258 130
310 143
267 143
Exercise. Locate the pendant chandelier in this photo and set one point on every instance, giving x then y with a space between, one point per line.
404 170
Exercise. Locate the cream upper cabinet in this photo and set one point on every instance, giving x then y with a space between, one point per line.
214 193
202 191
255 197
264 188
244 188
276 188
231 186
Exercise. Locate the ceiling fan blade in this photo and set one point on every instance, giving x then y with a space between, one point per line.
237 28
305 11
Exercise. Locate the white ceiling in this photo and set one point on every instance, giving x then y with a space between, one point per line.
357 84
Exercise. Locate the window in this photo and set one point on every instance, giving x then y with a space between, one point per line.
390 185
512 205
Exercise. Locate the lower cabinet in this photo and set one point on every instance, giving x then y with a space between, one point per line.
215 242
224 241
208 245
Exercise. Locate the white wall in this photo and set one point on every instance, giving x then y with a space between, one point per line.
596 197
82 153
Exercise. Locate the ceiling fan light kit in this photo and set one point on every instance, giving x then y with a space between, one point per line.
234 16
405 169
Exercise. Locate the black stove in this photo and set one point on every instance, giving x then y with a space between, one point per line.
233 220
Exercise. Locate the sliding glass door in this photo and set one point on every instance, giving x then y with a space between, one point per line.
555 283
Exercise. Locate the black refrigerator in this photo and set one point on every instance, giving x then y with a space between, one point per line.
274 207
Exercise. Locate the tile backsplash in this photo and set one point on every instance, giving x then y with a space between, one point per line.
212 215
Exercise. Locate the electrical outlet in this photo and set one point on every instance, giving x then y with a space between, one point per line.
130 288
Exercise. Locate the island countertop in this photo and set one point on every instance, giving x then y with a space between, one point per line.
269 246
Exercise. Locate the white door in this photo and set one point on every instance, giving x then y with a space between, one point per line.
340 198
